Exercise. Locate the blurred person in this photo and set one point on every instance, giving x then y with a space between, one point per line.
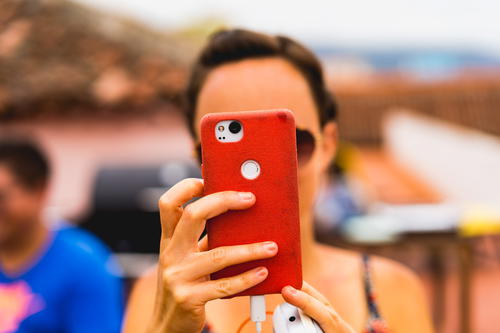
51 280
244 70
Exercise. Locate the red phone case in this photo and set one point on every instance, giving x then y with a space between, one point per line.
269 139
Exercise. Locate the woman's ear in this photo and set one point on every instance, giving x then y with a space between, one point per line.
329 144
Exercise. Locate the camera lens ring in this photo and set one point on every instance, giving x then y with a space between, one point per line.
234 127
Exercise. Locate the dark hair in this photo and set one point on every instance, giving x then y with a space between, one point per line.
232 45
25 160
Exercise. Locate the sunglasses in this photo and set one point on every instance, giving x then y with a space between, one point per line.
306 144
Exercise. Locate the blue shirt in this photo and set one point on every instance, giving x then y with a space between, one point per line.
72 287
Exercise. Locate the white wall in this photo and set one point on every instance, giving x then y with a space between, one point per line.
463 164
77 147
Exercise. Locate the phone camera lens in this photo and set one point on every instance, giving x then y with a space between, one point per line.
234 127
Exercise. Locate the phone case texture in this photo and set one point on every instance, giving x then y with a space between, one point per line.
269 139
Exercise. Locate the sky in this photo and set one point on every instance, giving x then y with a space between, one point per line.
472 24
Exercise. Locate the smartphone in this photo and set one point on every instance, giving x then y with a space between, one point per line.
255 151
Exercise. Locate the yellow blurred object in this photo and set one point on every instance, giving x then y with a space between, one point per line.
480 220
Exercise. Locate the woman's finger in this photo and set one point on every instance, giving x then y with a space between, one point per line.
307 288
203 244
192 221
325 316
170 203
225 287
208 262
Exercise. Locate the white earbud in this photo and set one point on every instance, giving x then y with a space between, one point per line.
289 319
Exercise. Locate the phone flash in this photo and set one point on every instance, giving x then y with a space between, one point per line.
220 128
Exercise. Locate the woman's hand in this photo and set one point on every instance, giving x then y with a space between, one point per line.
185 264
316 306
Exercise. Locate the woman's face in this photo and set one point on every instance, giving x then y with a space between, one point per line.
270 83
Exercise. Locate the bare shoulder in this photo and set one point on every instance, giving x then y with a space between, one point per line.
386 272
401 296
148 279
144 289
141 302
337 253
349 260
389 273
399 291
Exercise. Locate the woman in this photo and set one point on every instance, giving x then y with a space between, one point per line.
244 70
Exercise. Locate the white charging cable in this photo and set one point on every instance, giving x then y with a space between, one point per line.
258 311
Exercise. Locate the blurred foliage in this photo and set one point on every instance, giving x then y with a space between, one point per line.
200 29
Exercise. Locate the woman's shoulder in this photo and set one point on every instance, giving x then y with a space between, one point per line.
398 290
383 270
148 278
141 302
401 295
145 286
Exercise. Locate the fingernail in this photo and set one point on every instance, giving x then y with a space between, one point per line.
291 290
246 195
270 246
261 272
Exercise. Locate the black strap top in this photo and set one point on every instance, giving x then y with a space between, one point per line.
375 324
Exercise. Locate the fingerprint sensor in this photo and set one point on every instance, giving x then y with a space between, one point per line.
250 169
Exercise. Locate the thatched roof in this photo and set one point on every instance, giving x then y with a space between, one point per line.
59 57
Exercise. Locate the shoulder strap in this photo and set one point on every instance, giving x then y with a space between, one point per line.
369 292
